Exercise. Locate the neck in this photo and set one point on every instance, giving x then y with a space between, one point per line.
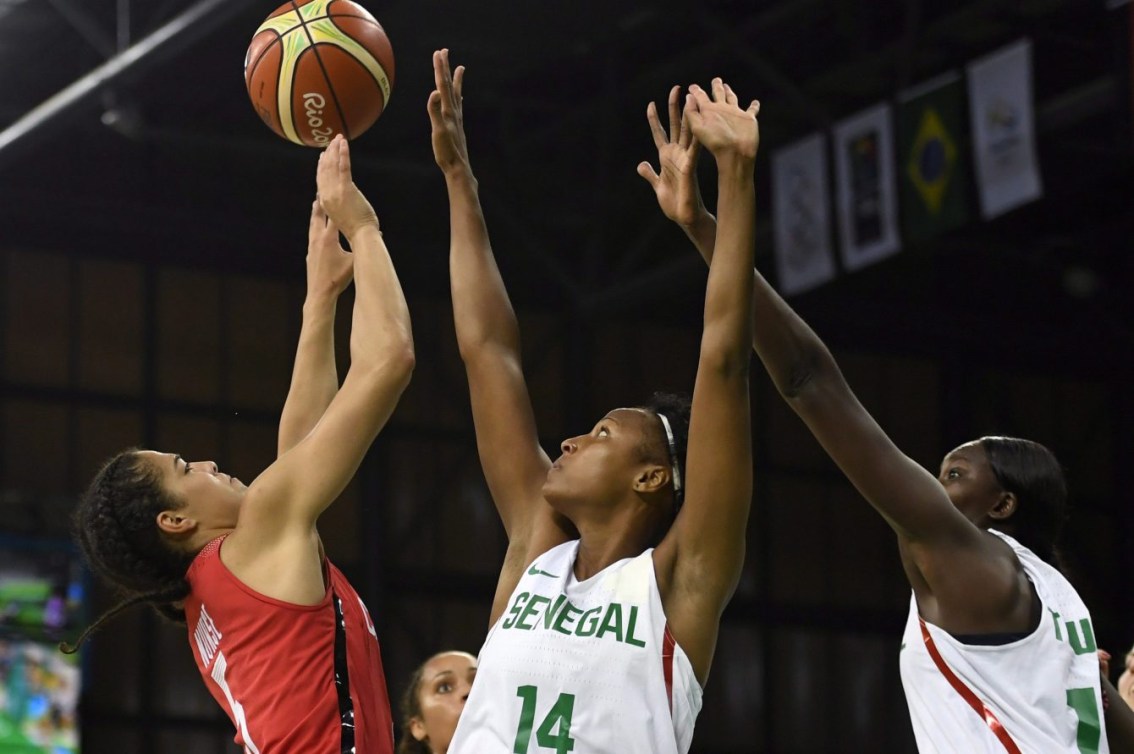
600 546
202 537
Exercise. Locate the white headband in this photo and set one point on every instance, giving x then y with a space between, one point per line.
677 491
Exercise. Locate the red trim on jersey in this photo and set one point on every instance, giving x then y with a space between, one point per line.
968 694
667 664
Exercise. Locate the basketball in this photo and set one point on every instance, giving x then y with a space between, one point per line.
319 68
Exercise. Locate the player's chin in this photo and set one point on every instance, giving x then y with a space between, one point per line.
553 488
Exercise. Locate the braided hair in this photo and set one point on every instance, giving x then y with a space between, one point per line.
115 527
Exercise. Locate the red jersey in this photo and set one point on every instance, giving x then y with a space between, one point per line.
277 668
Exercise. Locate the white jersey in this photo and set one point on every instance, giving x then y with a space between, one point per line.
583 667
1036 695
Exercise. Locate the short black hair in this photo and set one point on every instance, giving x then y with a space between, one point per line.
676 408
1033 474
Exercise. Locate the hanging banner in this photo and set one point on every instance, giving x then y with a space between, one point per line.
1003 128
933 164
868 211
802 216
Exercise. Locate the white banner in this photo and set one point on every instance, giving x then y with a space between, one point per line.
1004 140
868 205
802 211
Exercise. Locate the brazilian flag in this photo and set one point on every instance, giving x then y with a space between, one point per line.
934 181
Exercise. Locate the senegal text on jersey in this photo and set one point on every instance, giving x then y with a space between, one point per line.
567 619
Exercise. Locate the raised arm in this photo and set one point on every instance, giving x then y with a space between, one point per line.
930 529
275 546
488 335
700 560
314 378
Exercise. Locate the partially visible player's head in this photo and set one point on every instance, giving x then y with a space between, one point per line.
1014 485
1126 680
630 465
143 518
433 701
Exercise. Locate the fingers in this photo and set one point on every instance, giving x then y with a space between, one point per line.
318 216
438 77
446 73
314 226
332 229
323 171
334 167
656 129
433 105
344 157
447 84
646 170
718 88
442 80
685 136
754 108
459 84
696 97
730 96
674 112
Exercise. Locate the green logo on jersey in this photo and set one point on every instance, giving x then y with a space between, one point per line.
1081 644
533 571
530 612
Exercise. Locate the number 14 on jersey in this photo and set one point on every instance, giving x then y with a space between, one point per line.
554 731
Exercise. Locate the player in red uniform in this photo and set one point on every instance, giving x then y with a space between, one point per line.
281 638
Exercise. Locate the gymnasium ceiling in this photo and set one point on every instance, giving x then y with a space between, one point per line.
167 161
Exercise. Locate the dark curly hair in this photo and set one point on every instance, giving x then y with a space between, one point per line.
676 408
115 527
1032 473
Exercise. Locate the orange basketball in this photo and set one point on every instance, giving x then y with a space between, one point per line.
317 68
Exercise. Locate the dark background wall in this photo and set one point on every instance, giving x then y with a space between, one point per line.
151 283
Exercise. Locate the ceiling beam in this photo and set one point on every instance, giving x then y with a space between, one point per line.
170 39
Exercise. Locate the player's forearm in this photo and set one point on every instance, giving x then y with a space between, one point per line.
380 326
728 294
793 354
790 350
482 312
314 378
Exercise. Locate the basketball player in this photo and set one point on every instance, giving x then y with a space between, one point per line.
599 641
433 701
999 650
282 640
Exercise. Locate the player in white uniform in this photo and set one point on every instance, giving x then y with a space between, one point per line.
999 653
600 643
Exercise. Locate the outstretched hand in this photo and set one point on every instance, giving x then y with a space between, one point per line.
329 267
720 125
446 115
675 184
344 204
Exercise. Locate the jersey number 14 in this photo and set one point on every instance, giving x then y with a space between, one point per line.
555 730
